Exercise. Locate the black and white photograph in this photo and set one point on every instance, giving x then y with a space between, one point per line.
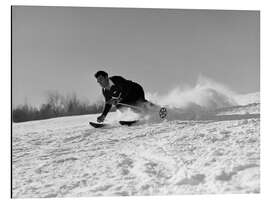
134 101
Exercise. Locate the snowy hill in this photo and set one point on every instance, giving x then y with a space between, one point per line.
248 98
65 157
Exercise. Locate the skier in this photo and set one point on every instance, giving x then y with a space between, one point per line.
118 91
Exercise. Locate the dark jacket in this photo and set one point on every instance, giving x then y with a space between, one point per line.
130 92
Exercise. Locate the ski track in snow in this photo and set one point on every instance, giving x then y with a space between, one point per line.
65 157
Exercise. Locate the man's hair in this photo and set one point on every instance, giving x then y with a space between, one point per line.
102 73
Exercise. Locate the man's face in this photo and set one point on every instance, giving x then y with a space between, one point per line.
103 81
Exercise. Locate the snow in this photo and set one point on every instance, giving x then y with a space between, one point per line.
245 99
66 157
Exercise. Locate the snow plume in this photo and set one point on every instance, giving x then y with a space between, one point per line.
194 102
207 94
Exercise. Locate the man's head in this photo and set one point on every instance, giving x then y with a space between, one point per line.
102 78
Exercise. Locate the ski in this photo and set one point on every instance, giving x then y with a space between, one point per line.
98 125
128 123
101 125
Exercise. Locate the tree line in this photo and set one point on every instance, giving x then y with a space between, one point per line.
56 105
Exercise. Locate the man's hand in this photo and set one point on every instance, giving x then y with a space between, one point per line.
101 118
113 101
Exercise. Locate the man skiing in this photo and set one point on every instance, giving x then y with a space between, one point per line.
119 92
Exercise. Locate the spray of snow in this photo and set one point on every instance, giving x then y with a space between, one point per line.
188 103
206 95
125 114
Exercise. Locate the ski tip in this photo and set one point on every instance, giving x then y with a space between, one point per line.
97 125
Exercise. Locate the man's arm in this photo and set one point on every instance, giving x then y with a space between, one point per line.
106 109
107 106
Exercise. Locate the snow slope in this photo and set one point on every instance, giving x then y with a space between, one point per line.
65 157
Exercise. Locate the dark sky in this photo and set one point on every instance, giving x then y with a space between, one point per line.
60 48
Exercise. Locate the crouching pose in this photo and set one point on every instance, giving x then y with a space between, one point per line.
120 92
